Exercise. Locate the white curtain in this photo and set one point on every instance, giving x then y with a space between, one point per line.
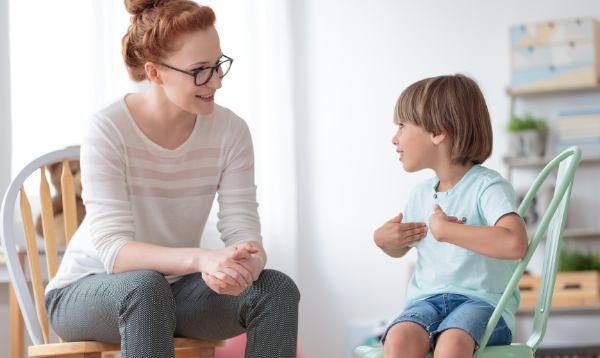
83 48
258 36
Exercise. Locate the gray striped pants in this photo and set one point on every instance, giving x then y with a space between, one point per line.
142 312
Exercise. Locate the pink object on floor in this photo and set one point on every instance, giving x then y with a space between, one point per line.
236 346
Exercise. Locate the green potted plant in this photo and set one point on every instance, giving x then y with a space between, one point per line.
527 136
572 259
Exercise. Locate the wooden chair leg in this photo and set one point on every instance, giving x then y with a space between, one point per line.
79 355
207 352
187 353
17 325
111 355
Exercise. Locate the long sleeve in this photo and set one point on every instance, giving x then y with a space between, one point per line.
136 190
103 167
238 214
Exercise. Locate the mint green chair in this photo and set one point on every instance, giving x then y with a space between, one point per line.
554 221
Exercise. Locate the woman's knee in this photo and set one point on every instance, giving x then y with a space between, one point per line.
148 289
279 284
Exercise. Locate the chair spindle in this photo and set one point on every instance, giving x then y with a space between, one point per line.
48 226
69 206
34 265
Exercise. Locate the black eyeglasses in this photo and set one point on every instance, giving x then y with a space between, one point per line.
204 74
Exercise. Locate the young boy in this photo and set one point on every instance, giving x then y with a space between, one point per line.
465 260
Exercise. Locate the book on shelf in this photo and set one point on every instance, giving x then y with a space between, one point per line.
578 123
588 147
579 127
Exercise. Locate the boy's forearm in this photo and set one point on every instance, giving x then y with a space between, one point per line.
492 241
396 253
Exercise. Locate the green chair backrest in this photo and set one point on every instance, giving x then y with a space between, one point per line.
554 221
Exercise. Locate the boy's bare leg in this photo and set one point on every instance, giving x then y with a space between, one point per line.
406 340
454 343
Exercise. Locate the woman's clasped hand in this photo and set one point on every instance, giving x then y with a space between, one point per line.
232 269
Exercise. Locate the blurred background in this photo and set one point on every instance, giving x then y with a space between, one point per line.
317 82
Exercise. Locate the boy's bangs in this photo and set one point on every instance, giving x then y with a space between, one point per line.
408 104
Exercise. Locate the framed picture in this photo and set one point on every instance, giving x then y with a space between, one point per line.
537 208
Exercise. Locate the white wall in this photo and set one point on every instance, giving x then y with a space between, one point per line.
353 60
5 122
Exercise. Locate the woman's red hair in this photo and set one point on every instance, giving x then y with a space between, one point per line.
154 26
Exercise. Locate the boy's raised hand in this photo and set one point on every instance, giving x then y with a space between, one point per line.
437 220
397 235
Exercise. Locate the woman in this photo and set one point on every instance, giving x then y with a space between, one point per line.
152 163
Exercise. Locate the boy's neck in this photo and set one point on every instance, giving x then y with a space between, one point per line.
450 174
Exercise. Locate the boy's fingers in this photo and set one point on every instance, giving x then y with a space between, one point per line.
417 231
397 219
454 219
412 242
416 236
412 226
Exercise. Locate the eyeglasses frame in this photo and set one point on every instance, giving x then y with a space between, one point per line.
195 73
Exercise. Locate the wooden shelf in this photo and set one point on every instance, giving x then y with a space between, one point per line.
515 93
577 233
542 161
564 310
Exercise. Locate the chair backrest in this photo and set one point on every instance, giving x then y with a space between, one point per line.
553 220
38 329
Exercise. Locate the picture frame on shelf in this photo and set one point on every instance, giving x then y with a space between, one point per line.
536 210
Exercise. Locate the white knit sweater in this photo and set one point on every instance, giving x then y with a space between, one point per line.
135 190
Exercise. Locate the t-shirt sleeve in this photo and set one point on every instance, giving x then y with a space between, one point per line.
496 200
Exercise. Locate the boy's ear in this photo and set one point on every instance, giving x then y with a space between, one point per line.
438 139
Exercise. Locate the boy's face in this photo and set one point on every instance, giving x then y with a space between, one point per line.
414 145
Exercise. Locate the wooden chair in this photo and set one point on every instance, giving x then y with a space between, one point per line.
553 220
39 328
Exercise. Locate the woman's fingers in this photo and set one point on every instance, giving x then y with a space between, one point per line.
249 247
247 270
239 277
243 251
221 287
226 278
214 281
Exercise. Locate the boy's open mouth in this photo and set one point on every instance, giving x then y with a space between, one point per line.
401 154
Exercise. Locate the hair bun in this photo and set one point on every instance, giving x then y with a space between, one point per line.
136 7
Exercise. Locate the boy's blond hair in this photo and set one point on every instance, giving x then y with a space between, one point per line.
453 105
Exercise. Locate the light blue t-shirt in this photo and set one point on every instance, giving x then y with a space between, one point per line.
480 198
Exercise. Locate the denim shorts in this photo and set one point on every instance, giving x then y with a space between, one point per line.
439 313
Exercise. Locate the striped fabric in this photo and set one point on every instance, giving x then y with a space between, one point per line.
133 189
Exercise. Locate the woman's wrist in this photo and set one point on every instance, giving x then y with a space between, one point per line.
261 262
198 260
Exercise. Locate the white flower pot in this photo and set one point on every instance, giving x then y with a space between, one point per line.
527 143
